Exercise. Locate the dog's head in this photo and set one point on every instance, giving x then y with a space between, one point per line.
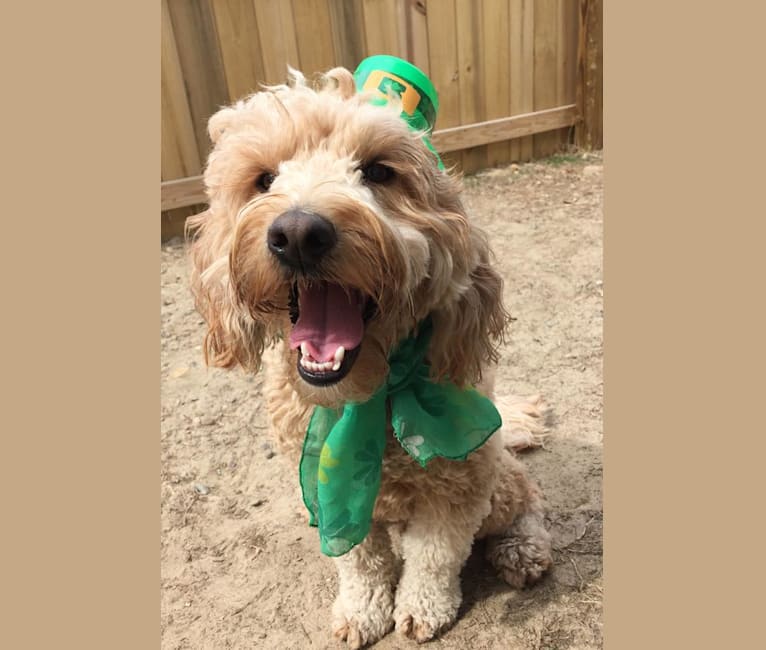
331 225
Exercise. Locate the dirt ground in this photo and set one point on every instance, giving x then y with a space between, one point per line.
240 566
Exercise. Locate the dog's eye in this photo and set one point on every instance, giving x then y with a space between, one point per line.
377 173
264 181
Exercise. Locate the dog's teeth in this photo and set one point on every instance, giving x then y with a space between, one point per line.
335 367
339 354
304 349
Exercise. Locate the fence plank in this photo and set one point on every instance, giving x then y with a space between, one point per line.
381 28
545 70
239 43
314 36
200 59
472 135
522 68
590 80
417 34
497 74
469 37
565 55
179 156
276 29
347 21
442 55
182 192
571 29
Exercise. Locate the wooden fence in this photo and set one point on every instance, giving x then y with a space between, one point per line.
514 77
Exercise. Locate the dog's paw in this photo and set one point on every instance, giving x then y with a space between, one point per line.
521 559
421 623
366 620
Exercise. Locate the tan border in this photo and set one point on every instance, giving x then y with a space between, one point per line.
683 240
80 314
683 273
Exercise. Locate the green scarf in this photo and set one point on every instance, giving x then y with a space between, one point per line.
343 451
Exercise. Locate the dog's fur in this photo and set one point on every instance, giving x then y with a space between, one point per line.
409 245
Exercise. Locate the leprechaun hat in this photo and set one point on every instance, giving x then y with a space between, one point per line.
383 74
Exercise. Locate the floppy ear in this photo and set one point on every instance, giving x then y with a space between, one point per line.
233 337
468 332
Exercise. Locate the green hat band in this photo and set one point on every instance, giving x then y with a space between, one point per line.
383 74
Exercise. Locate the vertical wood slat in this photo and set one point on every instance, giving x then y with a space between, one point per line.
179 156
347 22
590 80
522 18
443 62
496 79
566 45
417 35
239 44
381 28
314 36
276 31
200 59
545 70
470 76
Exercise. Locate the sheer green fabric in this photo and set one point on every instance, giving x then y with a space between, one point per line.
343 450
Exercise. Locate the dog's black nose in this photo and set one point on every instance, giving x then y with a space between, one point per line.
300 239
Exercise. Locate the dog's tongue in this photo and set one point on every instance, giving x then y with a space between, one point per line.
329 317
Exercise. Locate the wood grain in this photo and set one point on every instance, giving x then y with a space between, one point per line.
442 55
182 192
496 78
240 47
381 28
347 22
200 60
313 31
470 70
472 135
179 148
417 34
276 31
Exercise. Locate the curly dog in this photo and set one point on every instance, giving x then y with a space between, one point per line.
331 236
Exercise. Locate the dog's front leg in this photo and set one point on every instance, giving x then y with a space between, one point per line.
435 545
363 610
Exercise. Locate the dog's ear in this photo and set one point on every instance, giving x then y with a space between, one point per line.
233 337
341 81
221 120
468 332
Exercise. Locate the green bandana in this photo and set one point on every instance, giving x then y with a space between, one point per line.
343 450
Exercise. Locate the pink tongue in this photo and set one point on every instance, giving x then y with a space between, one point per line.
328 318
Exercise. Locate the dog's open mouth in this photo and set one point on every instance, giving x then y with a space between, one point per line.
328 327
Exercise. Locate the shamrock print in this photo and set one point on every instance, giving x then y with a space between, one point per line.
369 458
326 461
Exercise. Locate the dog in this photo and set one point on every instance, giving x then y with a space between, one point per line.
331 236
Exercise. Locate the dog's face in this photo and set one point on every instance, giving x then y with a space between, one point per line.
330 225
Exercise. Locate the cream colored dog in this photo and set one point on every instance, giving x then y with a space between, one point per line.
317 196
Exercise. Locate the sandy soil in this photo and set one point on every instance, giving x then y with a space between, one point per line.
240 567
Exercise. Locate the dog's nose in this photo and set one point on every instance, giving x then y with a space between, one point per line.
300 239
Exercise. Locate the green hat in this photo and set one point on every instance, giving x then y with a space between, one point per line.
384 74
